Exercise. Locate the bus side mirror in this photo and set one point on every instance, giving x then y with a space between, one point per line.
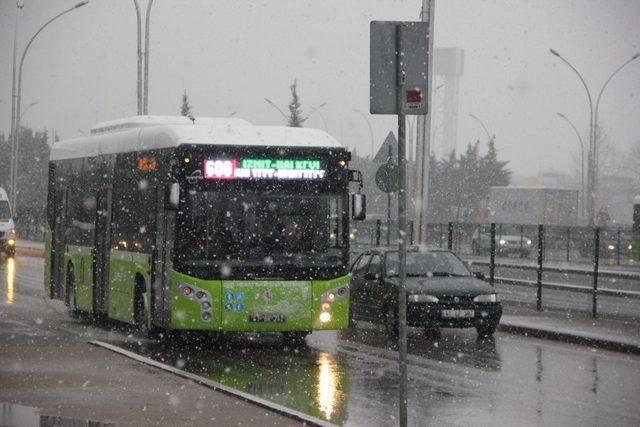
358 207
173 196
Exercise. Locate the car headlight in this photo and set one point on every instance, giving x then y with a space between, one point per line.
528 241
486 298
611 247
503 242
422 298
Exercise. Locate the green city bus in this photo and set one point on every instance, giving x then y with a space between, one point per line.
170 223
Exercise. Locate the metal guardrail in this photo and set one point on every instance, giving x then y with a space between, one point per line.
602 273
568 287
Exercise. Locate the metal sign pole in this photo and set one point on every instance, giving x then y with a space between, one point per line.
389 160
402 226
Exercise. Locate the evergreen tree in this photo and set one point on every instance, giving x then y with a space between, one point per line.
185 108
493 172
296 118
457 184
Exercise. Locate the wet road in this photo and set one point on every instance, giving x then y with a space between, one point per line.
351 378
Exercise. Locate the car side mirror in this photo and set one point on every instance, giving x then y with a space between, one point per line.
371 276
479 275
358 207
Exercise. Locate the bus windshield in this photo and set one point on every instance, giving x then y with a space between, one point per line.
267 231
5 212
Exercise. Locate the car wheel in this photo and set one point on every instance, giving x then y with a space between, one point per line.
72 307
391 321
488 330
295 339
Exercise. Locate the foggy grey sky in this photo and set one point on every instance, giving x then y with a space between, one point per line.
230 55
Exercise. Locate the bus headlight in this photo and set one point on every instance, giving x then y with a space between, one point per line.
486 298
325 317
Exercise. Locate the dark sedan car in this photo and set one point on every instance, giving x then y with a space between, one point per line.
441 292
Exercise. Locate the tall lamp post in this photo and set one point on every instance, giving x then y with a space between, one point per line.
592 171
284 116
16 111
27 109
489 137
581 162
143 80
366 119
316 110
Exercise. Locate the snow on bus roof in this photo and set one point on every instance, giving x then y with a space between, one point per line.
142 133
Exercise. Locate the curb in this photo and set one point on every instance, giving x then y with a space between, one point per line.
282 410
582 339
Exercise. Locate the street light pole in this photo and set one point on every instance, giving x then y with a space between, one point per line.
315 110
286 119
19 5
27 109
592 171
145 102
590 166
489 137
581 162
366 119
139 83
596 131
16 138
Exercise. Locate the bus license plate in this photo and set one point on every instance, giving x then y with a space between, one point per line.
457 314
261 318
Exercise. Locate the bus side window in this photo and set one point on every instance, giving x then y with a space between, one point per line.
133 206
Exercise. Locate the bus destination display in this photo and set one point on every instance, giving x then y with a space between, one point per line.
263 169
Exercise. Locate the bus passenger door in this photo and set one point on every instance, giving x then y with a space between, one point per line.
58 243
101 252
162 265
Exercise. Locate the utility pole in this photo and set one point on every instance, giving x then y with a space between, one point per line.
139 82
423 138
145 109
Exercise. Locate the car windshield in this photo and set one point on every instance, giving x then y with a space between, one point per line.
436 264
5 212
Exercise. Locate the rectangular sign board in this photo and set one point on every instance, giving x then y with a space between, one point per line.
383 85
